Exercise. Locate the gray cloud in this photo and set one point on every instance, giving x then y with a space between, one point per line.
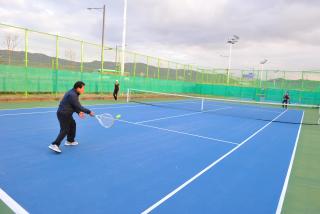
211 22
189 31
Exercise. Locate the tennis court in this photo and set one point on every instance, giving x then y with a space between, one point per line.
160 157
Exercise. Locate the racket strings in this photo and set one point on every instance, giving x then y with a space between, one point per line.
106 120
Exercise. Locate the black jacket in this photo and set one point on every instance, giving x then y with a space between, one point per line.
70 103
116 87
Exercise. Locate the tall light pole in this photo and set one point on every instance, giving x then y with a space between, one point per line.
262 67
115 61
116 58
102 39
124 36
231 41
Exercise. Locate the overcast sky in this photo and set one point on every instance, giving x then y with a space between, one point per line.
286 32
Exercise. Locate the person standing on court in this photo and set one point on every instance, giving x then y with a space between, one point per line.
286 100
116 89
68 105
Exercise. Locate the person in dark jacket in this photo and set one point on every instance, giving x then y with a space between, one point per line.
116 90
286 100
68 105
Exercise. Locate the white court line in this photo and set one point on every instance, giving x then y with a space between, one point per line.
14 206
263 110
44 112
49 107
37 107
107 104
181 115
128 106
207 168
155 103
27 113
285 185
250 107
184 133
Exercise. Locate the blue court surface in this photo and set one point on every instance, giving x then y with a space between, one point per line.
154 159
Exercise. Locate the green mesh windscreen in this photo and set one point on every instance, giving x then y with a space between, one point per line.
17 79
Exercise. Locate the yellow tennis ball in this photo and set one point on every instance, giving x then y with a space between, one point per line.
118 116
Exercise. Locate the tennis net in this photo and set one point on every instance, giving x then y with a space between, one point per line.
265 111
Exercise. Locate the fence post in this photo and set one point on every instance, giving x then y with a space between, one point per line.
207 76
168 70
134 65
57 64
26 48
81 57
147 66
302 77
26 60
284 80
202 75
176 71
158 68
57 52
191 73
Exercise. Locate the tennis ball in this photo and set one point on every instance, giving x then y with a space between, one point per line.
118 116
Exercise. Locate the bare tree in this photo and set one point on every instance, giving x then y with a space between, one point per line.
11 42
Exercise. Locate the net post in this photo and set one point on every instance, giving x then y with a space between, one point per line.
128 95
202 101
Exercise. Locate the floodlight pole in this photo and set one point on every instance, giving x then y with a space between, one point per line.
262 68
102 42
229 61
231 41
124 36
115 61
103 25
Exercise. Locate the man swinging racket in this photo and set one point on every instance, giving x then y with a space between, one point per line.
68 105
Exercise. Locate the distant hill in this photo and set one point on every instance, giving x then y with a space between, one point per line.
42 60
45 61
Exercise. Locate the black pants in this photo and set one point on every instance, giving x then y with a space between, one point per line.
284 104
67 128
115 94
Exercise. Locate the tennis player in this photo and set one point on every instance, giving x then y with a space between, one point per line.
116 90
286 100
68 105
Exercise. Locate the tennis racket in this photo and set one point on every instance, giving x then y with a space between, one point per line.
106 120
